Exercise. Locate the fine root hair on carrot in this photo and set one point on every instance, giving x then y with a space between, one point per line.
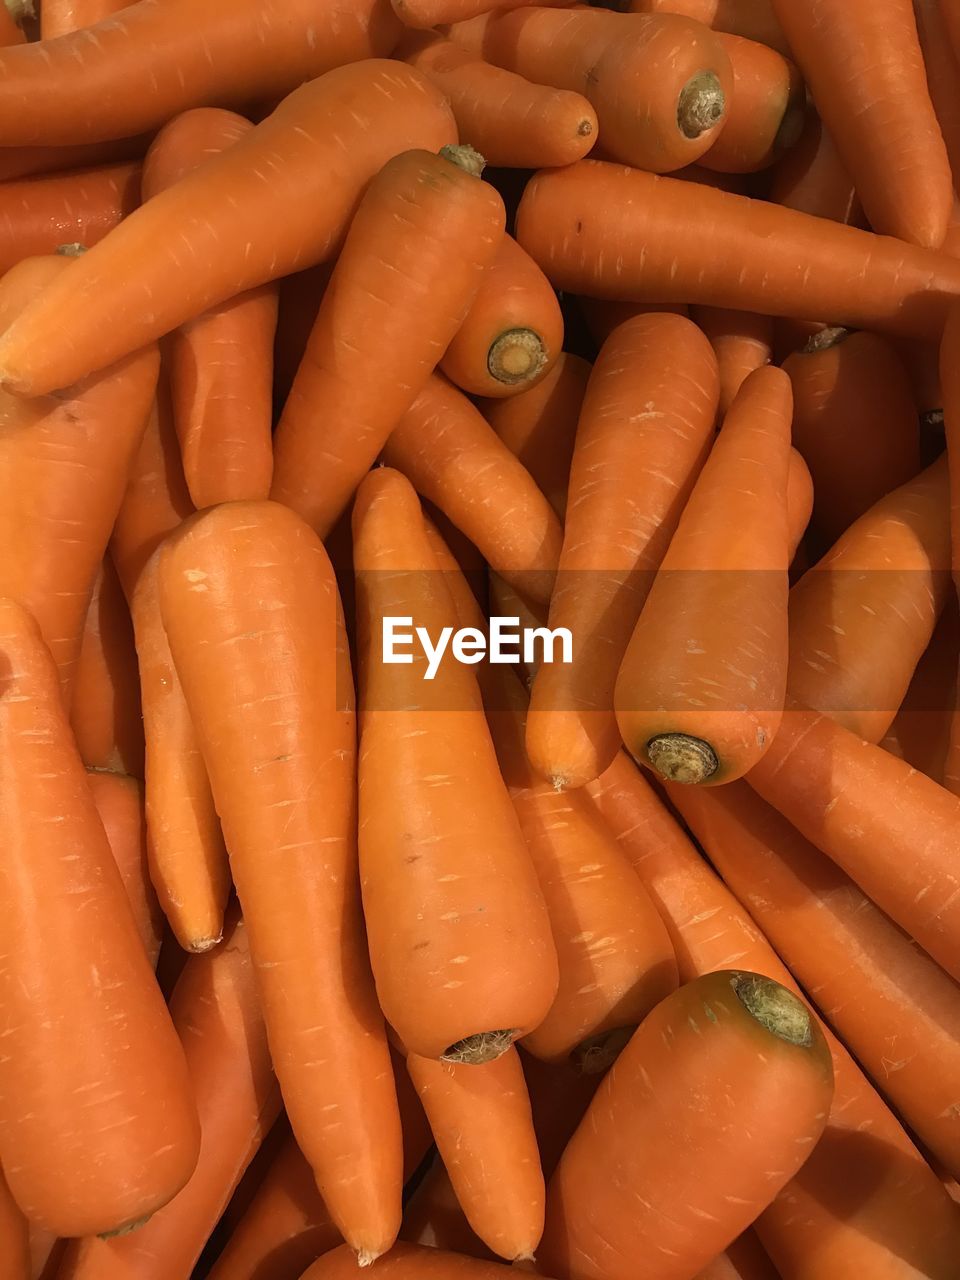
464 157
595 1056
517 356
72 250
484 1046
701 104
678 757
774 1007
126 1230
826 339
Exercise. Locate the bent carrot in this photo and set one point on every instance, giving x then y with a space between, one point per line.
741 342
765 115
513 332
234 206
60 17
700 691
71 948
413 259
812 178
411 1262
266 629
612 232
14 1235
752 19
119 802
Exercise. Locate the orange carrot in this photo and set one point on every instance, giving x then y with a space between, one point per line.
942 70
433 1217
300 296
765 115
422 14
745 1259
602 316
72 952
12 16
60 17
701 687
119 802
46 1253
741 342
411 1262
811 178
14 1236
413 260
612 232
234 206
921 731
454 459
658 83
753 19
27 162
507 602
799 500
221 362
513 332
265 631
951 19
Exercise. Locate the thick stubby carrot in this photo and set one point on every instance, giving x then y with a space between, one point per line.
411 1262
265 631
188 860
105 709
277 201
64 462
539 425
216 1011
14 1235
433 1217
453 458
60 17
646 426
422 14
765 114
921 730
511 122
220 363
458 930
414 258
71 951
709 1111
812 178
659 84
701 687
942 71
513 332
741 342
866 75
119 802
481 1122
752 19
613 232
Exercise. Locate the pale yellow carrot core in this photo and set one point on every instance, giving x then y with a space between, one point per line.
680 758
465 157
596 1055
518 355
701 105
774 1007
126 1229
826 339
485 1046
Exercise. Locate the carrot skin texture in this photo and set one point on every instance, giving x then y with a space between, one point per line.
741 342
71 947
411 1262
290 171
14 1235
423 14
612 232
60 17
766 111
812 178
433 1217
423 235
752 19
119 802
942 69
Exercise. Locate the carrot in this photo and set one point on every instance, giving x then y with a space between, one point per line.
266 631
14 1235
300 296
27 162
539 425
119 802
745 1259
423 234
752 19
951 21
235 208
217 1015
507 602
46 1253
458 931
480 1118
64 462
513 332
433 1217
765 115
709 1111
454 459
71 950
188 860
511 122
741 342
921 731
645 428
942 70
60 17
221 362
701 687
602 316
642 235
950 383
659 84
105 711
812 178
11 30
422 14
799 501
411 1262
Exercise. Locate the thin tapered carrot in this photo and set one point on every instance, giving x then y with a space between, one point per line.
452 457
220 363
942 70
72 954
216 1012
412 1262
603 316
433 1217
60 17
511 122
701 687
921 730
265 631
741 342
646 426
119 802
613 232
458 930
812 178
291 174
706 1115
413 260
64 462
423 14
765 116
658 83
188 860
14 1235
752 19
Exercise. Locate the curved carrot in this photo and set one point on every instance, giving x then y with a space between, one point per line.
221 362
646 425
922 728
701 687
641 235
119 802
71 950
709 1111
511 122
413 259
60 17
453 458
14 1235
236 208
752 19
422 14
765 115
433 1217
458 930
799 500
266 630
411 1262
812 178
659 84
741 342
513 332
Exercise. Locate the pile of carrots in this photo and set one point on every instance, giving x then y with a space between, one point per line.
638 323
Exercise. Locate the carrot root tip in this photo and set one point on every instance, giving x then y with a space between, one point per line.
465 157
516 356
597 1055
774 1007
126 1229
366 1258
826 339
485 1046
678 757
73 250
701 105
199 945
